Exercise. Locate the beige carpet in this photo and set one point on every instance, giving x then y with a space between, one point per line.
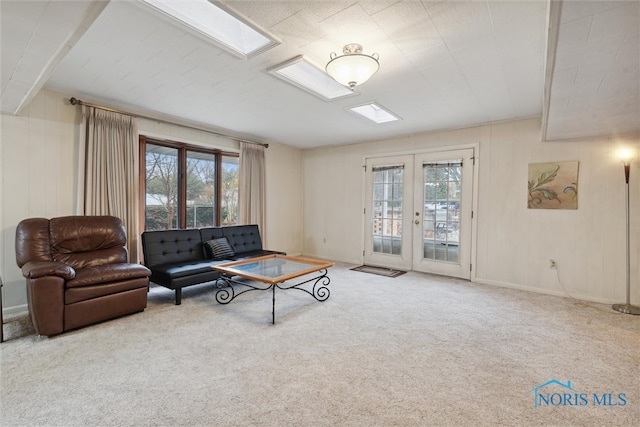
414 350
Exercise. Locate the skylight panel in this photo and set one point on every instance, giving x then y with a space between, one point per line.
224 28
304 75
375 113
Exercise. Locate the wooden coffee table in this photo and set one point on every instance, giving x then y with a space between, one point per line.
271 272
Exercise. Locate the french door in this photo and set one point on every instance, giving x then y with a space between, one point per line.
389 191
418 212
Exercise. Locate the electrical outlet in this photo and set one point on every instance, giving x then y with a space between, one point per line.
552 264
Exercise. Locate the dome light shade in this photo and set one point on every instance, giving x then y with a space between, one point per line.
354 67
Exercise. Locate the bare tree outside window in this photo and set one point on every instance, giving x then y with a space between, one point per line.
201 189
162 188
229 196
205 203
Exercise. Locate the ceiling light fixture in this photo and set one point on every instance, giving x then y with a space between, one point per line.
353 68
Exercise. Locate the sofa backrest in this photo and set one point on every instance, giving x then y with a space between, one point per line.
79 241
243 238
209 233
168 246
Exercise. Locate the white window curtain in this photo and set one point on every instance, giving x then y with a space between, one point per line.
108 181
251 192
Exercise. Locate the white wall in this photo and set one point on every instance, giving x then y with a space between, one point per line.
284 199
513 243
38 160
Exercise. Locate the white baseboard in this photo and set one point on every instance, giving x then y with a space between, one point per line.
558 293
324 258
16 310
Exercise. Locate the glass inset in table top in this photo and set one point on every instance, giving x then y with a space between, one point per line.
272 269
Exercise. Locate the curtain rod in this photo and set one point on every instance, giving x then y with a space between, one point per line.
76 101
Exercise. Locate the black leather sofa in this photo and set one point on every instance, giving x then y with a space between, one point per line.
177 258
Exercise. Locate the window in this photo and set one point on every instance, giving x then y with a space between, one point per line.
229 190
387 209
187 186
441 217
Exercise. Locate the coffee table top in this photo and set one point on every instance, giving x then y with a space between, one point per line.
272 269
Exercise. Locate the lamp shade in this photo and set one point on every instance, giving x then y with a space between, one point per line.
352 68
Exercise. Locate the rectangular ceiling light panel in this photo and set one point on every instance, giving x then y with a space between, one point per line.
304 75
375 113
216 23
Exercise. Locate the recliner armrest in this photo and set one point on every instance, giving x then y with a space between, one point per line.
108 273
35 269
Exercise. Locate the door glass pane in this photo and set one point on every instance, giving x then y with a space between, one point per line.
201 189
387 209
441 216
229 196
161 201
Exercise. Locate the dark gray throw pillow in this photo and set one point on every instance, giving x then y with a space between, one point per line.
218 248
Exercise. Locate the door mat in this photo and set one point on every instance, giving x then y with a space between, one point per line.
380 271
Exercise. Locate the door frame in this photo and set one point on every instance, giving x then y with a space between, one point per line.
474 195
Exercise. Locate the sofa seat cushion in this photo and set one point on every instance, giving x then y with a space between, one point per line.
85 293
256 253
171 271
107 273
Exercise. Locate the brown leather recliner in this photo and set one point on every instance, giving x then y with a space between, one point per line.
77 272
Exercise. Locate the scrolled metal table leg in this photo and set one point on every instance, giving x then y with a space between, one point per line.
227 291
319 290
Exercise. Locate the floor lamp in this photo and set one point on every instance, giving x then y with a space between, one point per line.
627 308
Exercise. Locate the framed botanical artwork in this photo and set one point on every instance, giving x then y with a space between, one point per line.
553 185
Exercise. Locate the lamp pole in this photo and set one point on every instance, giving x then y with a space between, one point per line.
627 308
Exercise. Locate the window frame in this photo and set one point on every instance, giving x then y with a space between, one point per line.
182 148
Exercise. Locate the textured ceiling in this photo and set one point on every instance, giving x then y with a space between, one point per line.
595 85
443 65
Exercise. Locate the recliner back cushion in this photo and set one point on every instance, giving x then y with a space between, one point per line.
87 241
